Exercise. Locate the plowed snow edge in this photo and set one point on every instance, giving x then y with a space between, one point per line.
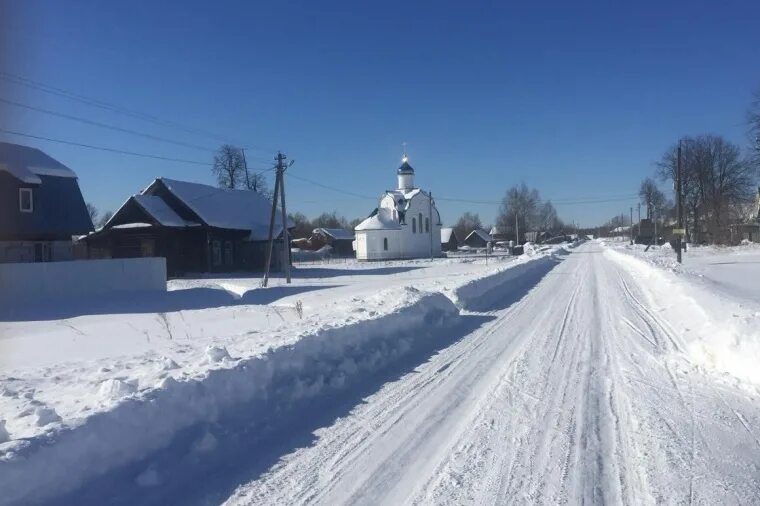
49 466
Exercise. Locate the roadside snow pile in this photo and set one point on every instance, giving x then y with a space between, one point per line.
720 331
330 358
495 290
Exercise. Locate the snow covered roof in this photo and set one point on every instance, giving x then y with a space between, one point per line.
335 233
26 164
382 219
405 194
230 209
480 233
133 225
160 211
446 234
496 231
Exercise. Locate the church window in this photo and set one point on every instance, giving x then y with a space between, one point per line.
427 225
414 225
385 243
420 222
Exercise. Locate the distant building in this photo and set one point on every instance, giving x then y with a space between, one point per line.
196 227
406 223
41 206
478 238
449 239
340 240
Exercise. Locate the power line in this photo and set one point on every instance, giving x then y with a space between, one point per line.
326 187
93 102
104 125
448 199
554 202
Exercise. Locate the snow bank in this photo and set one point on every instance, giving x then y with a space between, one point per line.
501 288
46 466
719 332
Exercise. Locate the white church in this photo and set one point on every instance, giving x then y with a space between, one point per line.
405 224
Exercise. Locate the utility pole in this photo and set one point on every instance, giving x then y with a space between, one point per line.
245 167
678 197
654 220
638 227
279 191
630 230
517 231
432 226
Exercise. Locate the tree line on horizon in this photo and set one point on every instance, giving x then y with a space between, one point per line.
719 181
532 214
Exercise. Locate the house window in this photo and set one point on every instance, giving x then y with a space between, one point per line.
227 252
216 253
385 243
414 225
25 202
427 224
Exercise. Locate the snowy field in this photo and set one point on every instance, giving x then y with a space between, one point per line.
594 373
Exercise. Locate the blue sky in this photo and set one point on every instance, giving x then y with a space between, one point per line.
577 99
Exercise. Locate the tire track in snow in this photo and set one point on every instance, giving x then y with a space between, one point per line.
567 397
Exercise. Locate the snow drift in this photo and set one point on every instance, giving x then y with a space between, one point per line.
719 333
500 289
328 359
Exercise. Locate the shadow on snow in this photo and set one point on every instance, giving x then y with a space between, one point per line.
149 302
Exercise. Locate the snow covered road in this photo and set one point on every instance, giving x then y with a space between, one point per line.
577 393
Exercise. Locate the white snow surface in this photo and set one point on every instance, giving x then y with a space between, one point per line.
26 163
231 209
714 294
70 380
160 211
568 375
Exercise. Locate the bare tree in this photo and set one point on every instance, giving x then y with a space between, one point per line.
93 212
229 167
466 224
652 197
104 219
329 220
753 117
303 226
716 183
547 219
257 182
524 203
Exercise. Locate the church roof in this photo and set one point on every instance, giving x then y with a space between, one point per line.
405 168
382 219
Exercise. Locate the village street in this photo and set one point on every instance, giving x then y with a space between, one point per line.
577 393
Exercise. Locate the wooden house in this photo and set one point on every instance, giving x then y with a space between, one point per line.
196 227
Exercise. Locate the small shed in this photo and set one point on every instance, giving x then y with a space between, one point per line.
478 238
449 239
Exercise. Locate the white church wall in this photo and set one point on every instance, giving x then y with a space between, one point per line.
370 245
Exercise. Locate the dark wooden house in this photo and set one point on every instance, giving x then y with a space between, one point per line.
41 206
196 227
340 240
477 239
449 240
